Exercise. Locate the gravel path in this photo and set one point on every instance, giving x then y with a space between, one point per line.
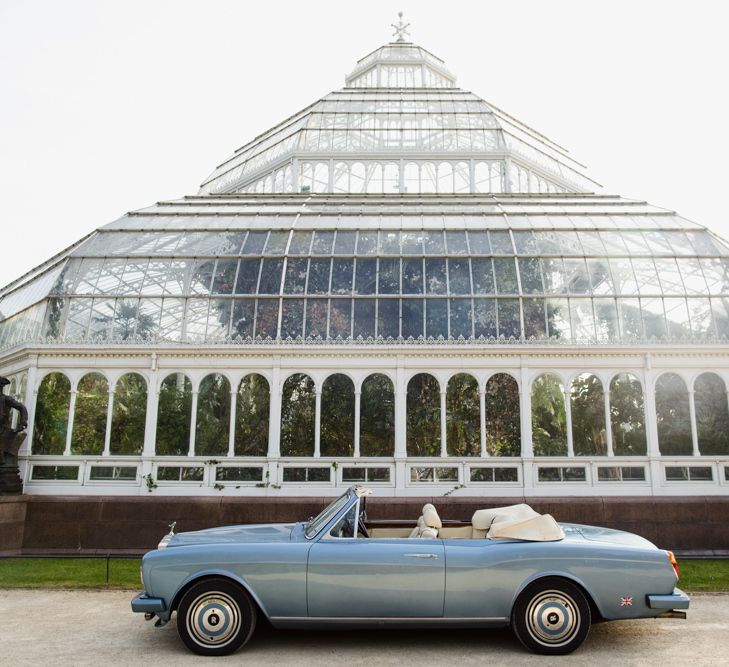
98 628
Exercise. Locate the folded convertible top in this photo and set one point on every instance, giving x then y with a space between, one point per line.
517 522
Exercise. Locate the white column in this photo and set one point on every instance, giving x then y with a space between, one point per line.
650 415
401 408
150 422
357 396
109 412
193 425
694 428
608 423
31 398
274 415
317 424
69 428
525 404
231 430
568 418
482 411
443 444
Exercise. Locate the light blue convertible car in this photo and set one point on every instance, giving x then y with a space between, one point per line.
507 566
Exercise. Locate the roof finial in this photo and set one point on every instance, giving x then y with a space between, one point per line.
401 29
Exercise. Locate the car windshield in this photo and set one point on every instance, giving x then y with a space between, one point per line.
322 519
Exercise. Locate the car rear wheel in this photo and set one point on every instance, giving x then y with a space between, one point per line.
551 617
215 617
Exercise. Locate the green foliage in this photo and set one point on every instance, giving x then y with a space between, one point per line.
588 416
149 481
377 416
298 407
252 416
712 415
626 416
174 414
463 416
503 428
337 416
673 416
89 421
213 416
129 415
549 420
423 416
51 414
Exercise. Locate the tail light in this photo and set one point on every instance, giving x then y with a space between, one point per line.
674 562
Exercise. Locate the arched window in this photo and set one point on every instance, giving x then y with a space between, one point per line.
673 416
341 177
129 415
251 416
374 177
627 418
337 416
51 414
549 420
377 417
174 414
391 178
461 177
412 178
423 416
89 420
712 414
298 413
428 177
357 178
445 177
503 427
463 416
213 416
588 416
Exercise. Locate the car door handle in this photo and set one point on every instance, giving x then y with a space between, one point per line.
434 556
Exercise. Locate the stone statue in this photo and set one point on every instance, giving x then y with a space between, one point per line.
11 440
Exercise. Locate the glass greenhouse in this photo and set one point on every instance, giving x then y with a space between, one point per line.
400 284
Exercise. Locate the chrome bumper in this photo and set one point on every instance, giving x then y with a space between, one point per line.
677 600
143 604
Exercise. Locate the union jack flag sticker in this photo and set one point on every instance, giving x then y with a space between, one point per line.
626 602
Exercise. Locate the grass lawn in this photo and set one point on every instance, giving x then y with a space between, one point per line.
69 573
696 575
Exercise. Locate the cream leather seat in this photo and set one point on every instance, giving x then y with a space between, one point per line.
428 523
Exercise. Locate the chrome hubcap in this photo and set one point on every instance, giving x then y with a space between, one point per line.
213 619
552 618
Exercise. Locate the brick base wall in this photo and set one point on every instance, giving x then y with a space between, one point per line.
56 524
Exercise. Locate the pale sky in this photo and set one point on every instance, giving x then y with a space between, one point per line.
109 106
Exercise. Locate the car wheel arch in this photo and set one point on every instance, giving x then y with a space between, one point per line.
216 574
589 596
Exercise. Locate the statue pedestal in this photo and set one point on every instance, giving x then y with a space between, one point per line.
10 444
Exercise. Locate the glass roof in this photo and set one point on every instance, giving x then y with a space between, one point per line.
400 104
509 268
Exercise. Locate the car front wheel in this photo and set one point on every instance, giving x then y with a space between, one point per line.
551 617
215 617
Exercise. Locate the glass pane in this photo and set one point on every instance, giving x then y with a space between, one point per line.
51 414
364 318
342 271
316 318
89 421
389 276
509 318
506 281
712 415
549 420
297 416
213 416
463 421
266 318
365 280
672 415
459 276
388 318
319 270
174 412
340 318
588 416
337 416
377 416
292 318
129 415
271 276
251 416
423 416
461 318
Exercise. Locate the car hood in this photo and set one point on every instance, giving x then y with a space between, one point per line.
263 532
608 535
